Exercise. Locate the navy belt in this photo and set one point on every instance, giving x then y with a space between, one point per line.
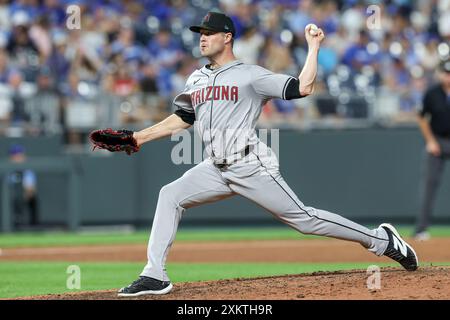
225 163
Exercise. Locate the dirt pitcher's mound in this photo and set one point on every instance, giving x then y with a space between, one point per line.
425 283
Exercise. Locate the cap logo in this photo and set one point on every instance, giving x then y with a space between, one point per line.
206 18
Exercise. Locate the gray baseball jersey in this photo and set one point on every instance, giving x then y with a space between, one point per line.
226 103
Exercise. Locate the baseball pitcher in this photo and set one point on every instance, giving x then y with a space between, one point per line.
224 100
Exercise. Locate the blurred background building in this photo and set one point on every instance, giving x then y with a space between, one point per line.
130 58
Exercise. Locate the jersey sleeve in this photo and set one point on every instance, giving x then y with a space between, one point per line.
183 105
268 84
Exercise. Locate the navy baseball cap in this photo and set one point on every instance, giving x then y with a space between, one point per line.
215 21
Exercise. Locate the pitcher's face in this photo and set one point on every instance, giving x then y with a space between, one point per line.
212 43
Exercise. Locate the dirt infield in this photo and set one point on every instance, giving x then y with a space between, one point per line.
426 283
434 250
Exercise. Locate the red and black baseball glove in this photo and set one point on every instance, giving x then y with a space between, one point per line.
114 140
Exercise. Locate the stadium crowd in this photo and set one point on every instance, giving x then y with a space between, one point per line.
128 59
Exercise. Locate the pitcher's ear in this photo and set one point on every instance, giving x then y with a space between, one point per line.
229 37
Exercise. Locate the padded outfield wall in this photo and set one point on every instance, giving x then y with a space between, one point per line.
369 175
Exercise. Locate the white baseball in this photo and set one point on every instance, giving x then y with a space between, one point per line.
314 29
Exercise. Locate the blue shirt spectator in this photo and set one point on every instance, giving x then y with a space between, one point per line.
357 55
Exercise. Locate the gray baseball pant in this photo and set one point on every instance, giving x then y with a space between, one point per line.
257 178
431 178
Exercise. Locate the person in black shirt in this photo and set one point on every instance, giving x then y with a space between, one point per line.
434 123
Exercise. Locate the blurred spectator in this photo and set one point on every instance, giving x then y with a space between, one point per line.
178 80
327 59
357 55
58 62
45 107
79 108
123 83
92 39
54 11
299 49
5 21
5 100
165 53
30 7
242 14
19 114
247 47
337 41
22 50
444 19
353 19
326 15
428 55
40 36
399 80
300 18
276 57
125 62
271 23
85 68
182 12
23 189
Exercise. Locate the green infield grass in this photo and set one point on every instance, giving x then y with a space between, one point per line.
43 239
38 278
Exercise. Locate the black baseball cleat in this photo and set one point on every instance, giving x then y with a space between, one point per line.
399 250
145 285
